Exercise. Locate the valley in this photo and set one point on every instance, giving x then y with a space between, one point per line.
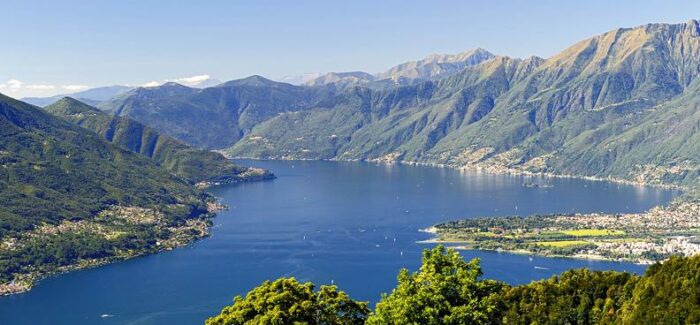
586 158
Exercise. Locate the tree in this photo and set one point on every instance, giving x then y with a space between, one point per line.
668 293
574 297
446 290
286 301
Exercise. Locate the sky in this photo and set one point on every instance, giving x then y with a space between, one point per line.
61 46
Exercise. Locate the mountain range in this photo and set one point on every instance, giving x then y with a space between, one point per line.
93 96
433 67
196 165
67 196
84 184
90 96
622 104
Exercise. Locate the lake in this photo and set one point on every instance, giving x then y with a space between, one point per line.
353 224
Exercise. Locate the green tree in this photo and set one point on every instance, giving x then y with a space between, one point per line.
446 290
286 301
574 297
668 293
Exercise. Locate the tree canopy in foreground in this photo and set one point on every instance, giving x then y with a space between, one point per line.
449 290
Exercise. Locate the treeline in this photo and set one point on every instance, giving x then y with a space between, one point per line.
448 290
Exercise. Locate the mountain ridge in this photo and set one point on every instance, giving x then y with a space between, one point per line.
90 96
432 67
70 199
531 115
199 166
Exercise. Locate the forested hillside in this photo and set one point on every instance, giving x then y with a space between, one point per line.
214 117
68 197
194 164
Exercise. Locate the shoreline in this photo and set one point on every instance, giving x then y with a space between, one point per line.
436 240
641 238
26 281
516 172
588 257
513 172
487 170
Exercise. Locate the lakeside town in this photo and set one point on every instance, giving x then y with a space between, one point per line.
113 224
644 238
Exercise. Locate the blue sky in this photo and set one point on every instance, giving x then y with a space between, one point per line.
94 43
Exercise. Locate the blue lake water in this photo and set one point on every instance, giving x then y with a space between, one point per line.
354 224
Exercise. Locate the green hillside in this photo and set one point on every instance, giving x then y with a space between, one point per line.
622 104
194 164
70 198
213 117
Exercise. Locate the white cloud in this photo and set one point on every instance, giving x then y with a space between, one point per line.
75 87
19 89
14 84
151 84
193 79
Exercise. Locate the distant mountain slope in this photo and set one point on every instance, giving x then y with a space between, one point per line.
433 67
623 104
344 79
68 197
194 164
213 117
90 96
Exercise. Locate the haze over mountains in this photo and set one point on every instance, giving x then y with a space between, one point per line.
90 96
93 96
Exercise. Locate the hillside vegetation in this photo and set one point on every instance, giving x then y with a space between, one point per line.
623 104
67 197
214 117
197 165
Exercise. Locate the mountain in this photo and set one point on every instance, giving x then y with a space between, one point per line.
94 96
343 79
299 79
214 117
433 67
69 199
194 164
623 104
91 96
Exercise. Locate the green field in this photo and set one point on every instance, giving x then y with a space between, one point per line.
561 243
593 232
